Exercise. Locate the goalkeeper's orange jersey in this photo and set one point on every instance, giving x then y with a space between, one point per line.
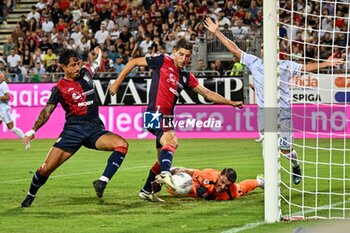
208 178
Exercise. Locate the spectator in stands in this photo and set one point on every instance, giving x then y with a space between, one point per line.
71 44
47 26
102 35
146 43
45 45
13 62
109 24
112 53
76 35
123 20
41 5
133 48
253 9
114 33
76 13
237 67
20 46
53 67
223 20
24 25
3 68
38 56
33 25
106 63
17 33
230 9
8 46
200 68
48 57
33 14
56 13
125 35
84 47
61 25
219 67
118 65
240 31
170 42
27 60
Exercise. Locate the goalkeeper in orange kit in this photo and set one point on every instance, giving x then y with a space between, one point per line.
212 184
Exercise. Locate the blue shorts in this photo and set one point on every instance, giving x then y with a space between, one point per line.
160 131
80 133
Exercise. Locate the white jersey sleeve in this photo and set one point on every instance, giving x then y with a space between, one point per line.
256 67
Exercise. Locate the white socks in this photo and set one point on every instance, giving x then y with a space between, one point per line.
104 178
17 131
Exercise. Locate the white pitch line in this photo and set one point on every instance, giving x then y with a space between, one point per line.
256 224
71 174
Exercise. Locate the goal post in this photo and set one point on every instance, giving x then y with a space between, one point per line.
271 160
315 34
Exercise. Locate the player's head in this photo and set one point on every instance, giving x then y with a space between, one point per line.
2 77
71 63
226 178
182 53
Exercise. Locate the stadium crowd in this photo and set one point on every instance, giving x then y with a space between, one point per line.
126 29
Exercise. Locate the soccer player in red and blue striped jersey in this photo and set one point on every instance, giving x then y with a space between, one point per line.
83 127
168 79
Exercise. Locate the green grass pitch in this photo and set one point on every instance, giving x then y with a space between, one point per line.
67 203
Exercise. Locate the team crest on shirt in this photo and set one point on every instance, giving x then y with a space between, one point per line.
171 79
76 96
205 182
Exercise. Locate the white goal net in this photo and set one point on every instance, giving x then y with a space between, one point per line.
312 33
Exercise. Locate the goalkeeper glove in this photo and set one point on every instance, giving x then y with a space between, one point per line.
201 191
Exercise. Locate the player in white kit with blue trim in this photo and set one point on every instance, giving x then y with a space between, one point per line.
5 109
288 69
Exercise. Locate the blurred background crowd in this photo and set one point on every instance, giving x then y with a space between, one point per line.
126 29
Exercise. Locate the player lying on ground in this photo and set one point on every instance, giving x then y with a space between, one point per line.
212 184
83 127
288 69
5 109
168 80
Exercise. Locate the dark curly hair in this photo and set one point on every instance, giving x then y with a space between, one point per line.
67 54
230 174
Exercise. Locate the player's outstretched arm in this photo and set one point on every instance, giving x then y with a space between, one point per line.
40 121
215 97
329 63
95 57
140 61
229 44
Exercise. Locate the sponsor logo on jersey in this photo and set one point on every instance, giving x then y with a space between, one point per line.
87 103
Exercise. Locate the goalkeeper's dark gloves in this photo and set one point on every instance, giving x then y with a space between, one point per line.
202 192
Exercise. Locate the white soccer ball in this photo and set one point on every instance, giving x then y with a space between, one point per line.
182 182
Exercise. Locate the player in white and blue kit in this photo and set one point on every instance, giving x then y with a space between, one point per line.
288 69
5 109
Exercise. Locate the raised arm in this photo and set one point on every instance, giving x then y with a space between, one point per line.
141 61
40 121
215 97
229 44
316 66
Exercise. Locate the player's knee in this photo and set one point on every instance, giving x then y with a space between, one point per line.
122 147
169 147
44 170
